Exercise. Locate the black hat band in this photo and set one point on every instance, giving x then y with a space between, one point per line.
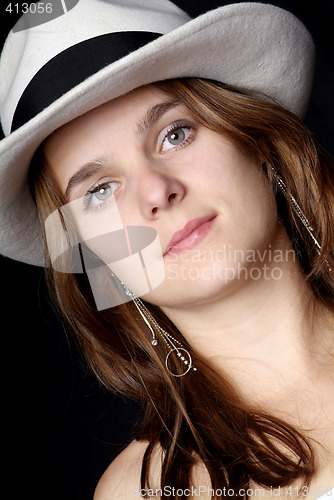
72 66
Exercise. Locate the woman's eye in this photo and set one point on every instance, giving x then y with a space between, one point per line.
177 137
100 194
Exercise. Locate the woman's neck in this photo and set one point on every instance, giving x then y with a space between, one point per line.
270 332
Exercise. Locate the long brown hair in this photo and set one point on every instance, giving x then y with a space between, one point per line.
201 417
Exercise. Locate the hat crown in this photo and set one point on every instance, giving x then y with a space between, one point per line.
26 51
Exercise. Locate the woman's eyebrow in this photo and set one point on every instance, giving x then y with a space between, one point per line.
83 173
154 113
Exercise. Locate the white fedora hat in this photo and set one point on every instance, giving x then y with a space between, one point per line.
52 72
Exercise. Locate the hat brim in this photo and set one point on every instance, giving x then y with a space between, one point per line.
251 46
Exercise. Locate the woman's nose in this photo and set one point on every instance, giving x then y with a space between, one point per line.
157 191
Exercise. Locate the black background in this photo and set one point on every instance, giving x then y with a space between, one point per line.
61 428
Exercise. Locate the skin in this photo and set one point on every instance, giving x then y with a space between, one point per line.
263 326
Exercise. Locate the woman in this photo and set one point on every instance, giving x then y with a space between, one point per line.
241 199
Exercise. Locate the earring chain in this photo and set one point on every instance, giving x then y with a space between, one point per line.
172 343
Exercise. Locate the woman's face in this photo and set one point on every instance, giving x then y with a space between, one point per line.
142 160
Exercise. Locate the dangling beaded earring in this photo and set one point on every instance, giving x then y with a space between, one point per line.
296 208
298 211
172 343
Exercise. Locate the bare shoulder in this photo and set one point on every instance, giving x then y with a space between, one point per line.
122 477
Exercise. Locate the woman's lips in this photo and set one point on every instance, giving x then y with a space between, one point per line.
193 232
